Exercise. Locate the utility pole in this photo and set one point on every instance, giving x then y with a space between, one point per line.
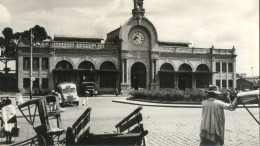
252 71
31 65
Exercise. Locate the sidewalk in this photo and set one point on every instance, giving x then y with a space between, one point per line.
176 105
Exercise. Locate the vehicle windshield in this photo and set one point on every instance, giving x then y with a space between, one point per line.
68 90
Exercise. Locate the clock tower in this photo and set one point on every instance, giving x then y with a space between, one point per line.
138 8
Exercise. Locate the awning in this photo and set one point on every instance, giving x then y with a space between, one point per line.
186 72
82 71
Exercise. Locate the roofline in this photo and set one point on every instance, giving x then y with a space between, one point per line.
114 30
79 37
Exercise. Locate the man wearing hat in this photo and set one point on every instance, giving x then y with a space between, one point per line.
213 118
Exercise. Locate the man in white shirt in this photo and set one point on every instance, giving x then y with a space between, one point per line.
213 118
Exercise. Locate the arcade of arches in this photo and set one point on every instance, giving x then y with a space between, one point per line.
107 75
184 77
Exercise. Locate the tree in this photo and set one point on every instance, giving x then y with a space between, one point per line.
8 43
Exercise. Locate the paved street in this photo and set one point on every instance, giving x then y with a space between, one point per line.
166 125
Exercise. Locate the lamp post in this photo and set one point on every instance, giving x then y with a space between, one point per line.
31 60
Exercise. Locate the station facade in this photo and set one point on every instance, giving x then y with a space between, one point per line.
131 57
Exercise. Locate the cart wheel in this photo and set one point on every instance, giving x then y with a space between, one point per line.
39 141
77 103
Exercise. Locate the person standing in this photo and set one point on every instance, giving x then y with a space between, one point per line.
85 101
19 97
212 127
9 119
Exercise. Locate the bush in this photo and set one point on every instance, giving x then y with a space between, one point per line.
170 94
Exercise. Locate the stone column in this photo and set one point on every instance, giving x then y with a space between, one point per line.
220 75
50 72
193 79
234 74
176 81
40 73
127 71
227 74
123 70
20 69
153 71
213 70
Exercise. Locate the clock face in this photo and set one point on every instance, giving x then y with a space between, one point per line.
138 38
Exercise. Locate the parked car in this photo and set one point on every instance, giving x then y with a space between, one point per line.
88 88
68 93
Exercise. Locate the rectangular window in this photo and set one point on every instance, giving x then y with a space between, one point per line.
230 67
35 63
217 67
36 83
224 67
26 82
45 83
224 83
45 63
26 63
230 83
218 83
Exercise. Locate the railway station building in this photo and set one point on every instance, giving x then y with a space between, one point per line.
131 57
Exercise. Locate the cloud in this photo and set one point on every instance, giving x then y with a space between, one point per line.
4 16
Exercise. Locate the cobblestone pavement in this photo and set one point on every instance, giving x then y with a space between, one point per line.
167 126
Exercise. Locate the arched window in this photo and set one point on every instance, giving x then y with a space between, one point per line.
202 67
185 68
64 65
86 65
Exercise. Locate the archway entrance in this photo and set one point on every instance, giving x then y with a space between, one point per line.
65 75
138 75
203 76
88 74
166 76
185 77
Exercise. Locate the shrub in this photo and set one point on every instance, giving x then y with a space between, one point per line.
170 94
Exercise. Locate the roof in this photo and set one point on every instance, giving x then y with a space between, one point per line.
184 44
77 38
114 30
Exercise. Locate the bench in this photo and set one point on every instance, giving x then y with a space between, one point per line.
78 130
132 124
130 131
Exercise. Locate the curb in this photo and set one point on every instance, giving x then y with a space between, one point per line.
178 105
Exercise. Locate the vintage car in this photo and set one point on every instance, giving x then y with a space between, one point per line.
88 89
68 93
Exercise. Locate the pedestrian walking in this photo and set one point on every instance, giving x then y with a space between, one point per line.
213 118
9 119
85 101
19 97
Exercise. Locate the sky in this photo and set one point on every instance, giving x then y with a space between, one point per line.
203 23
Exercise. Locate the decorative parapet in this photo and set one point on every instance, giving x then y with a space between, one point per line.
188 50
70 45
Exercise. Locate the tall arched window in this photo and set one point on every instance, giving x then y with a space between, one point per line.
64 65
